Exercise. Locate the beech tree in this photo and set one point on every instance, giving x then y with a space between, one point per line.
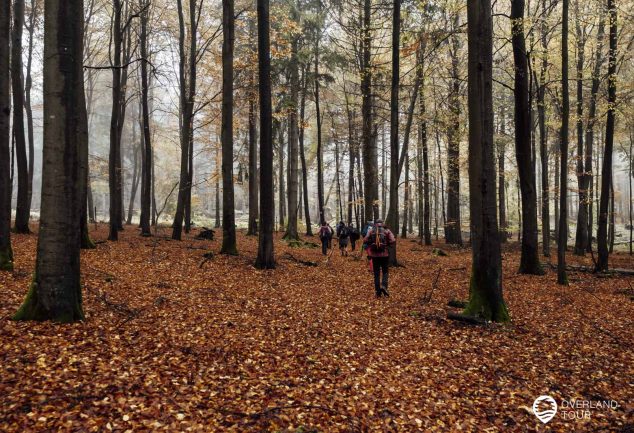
55 293
6 253
529 262
265 258
22 211
562 241
606 170
485 292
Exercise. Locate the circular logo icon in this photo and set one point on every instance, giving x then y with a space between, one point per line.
545 408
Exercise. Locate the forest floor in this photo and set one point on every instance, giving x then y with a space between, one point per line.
176 342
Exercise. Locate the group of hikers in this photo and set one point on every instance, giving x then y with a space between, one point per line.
377 239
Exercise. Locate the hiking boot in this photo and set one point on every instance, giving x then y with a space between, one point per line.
384 291
379 293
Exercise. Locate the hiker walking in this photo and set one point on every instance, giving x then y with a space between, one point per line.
378 239
325 236
354 236
344 236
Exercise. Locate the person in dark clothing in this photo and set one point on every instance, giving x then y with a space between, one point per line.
378 239
325 235
339 227
354 236
344 236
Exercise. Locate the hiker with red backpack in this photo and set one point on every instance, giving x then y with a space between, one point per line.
378 239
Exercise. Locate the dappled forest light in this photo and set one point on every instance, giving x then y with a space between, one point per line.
316 215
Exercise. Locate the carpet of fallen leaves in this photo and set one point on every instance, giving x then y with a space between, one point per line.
176 342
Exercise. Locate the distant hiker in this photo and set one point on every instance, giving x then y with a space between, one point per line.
339 227
332 233
378 239
325 235
354 236
344 235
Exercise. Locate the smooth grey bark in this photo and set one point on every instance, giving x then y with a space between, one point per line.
486 300
293 138
55 293
146 168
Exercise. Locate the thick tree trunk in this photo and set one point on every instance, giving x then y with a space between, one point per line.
529 261
265 258
6 253
55 293
22 211
485 293
562 240
146 170
229 245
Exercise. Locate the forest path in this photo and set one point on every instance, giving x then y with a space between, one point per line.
175 342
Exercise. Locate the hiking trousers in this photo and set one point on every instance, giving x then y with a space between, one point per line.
380 264
324 246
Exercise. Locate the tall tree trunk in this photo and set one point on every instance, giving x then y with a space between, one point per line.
217 175
6 253
146 170
393 209
320 151
229 245
425 165
485 292
116 122
27 103
529 261
135 148
406 203
281 169
543 134
309 229
562 241
55 293
589 133
453 230
581 237
351 154
265 258
187 93
253 162
22 211
502 176
370 169
293 137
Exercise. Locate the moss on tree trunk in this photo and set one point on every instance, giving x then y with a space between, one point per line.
6 259
484 306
